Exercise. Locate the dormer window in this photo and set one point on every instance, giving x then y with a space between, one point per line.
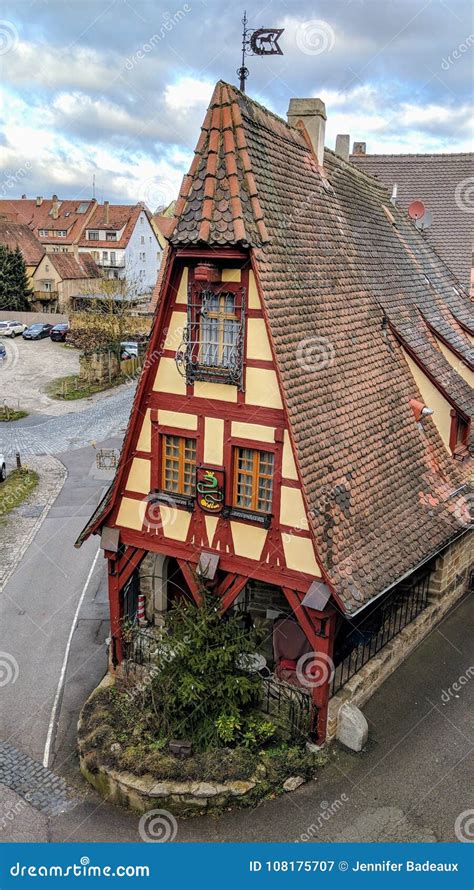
93 236
459 436
212 347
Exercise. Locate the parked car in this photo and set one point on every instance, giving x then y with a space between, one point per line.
129 349
37 331
3 352
12 328
3 469
59 332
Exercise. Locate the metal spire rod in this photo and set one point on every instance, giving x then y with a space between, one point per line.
243 72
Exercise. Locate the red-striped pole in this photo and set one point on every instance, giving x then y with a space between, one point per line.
141 609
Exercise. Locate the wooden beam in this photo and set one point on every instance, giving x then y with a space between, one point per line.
190 580
233 592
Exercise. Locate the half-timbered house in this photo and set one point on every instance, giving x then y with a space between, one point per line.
300 433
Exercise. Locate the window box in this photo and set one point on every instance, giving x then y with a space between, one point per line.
171 499
241 515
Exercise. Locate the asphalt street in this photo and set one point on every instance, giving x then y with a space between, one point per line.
412 781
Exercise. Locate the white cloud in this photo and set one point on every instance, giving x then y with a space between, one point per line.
188 93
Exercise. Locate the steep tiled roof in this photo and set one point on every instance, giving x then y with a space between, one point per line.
442 182
39 218
20 235
219 202
69 266
343 280
332 268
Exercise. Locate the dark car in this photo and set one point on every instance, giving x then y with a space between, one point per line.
37 331
59 332
3 352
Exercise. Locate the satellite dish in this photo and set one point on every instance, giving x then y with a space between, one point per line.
425 221
416 210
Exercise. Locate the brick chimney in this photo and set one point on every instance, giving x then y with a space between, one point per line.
39 201
343 142
359 148
55 207
106 212
311 113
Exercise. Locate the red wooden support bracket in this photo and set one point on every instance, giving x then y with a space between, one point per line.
115 615
190 580
233 592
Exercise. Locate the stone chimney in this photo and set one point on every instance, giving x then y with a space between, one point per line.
343 142
359 148
312 113
106 213
55 207
39 201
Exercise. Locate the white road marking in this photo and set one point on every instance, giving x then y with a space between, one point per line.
52 721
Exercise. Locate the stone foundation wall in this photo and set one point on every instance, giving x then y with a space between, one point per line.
450 580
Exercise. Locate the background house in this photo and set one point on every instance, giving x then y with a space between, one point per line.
60 277
124 244
120 237
441 183
13 235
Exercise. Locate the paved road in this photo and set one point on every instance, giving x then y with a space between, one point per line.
53 435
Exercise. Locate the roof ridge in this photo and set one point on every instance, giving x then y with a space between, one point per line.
421 154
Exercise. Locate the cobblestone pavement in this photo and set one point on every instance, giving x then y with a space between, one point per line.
19 527
36 785
29 366
55 435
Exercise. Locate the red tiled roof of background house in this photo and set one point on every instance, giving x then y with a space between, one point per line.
70 266
119 216
39 217
14 235
441 182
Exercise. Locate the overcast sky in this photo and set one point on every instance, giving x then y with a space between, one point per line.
119 88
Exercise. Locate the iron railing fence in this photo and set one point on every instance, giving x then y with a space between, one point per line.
291 707
382 623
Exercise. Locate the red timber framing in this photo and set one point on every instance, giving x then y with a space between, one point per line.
120 569
234 570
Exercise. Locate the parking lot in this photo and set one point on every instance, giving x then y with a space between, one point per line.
28 367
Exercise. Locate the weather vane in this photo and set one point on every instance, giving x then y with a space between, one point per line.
257 42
